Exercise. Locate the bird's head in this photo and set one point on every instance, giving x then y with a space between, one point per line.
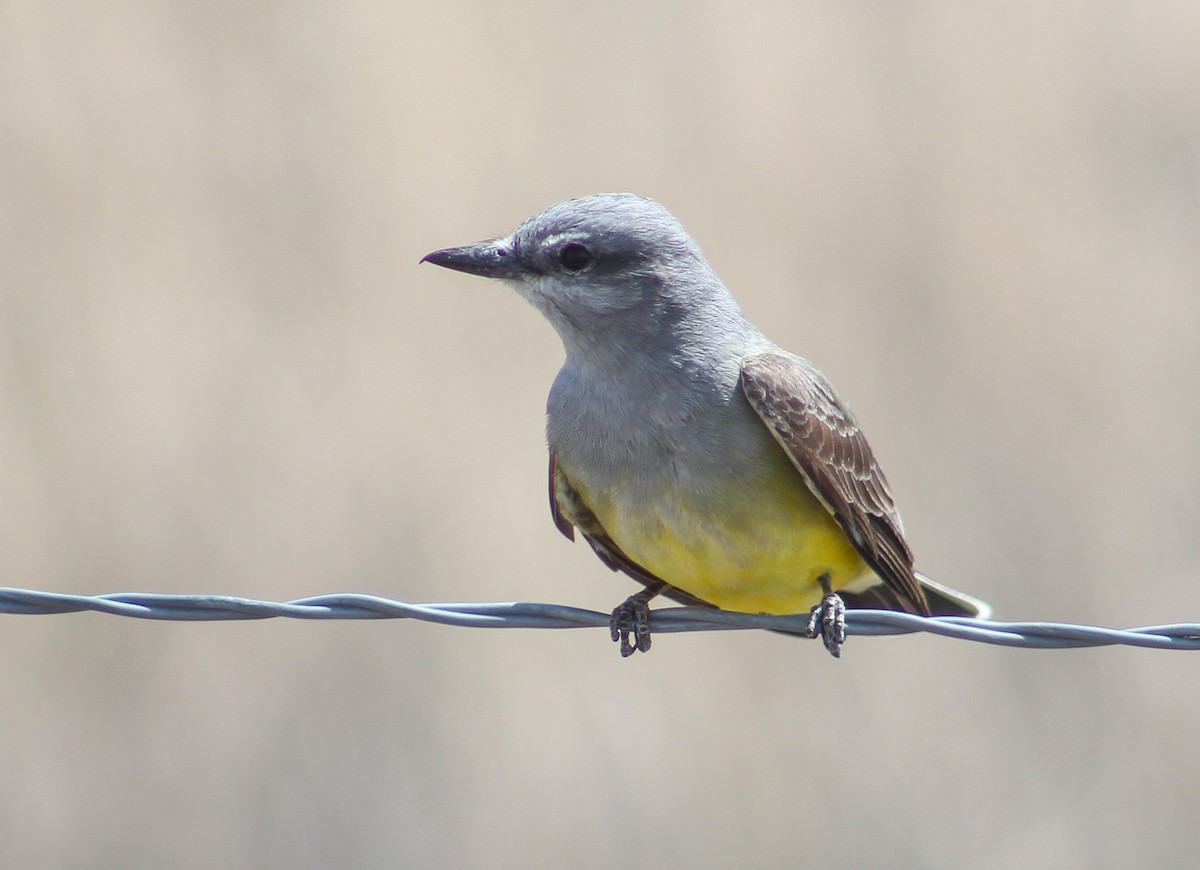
611 265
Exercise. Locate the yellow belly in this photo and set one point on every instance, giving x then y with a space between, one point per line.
757 546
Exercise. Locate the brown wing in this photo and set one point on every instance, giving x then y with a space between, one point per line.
569 511
819 434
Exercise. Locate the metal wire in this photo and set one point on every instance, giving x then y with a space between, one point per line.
144 605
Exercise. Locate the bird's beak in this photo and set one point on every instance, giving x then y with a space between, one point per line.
492 259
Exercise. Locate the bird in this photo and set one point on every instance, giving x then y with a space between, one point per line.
689 450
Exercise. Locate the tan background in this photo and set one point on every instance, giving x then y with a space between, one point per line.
221 370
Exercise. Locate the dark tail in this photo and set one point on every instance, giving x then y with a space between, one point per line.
943 601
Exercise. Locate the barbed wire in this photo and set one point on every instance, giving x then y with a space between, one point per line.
667 620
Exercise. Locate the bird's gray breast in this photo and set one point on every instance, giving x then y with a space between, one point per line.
642 433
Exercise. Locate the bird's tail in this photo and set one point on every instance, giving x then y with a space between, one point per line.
943 601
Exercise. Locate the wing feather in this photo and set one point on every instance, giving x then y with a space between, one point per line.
822 439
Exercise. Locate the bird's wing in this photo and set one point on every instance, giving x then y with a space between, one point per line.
820 436
569 512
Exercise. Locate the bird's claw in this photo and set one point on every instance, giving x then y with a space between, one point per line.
828 621
629 625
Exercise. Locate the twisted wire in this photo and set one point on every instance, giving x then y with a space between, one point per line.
875 623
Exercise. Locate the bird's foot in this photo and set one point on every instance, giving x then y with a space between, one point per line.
630 625
828 619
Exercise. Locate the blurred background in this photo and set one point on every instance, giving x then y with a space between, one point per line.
222 371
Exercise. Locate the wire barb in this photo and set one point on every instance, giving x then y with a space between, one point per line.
199 608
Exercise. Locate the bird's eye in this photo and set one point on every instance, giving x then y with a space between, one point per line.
575 257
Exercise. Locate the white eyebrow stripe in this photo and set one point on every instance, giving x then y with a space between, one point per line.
569 236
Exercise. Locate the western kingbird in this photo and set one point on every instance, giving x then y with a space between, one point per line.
691 452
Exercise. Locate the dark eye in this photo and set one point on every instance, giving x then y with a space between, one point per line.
575 257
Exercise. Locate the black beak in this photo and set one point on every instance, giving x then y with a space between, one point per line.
493 259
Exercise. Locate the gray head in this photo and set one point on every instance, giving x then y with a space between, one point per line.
611 272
